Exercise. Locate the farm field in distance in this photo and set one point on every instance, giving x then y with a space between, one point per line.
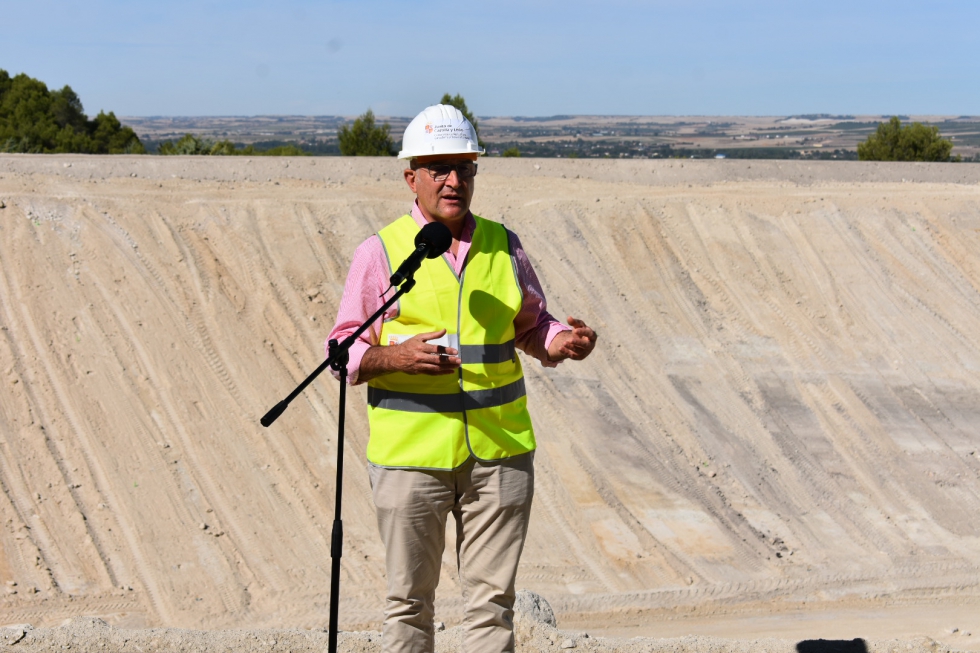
813 136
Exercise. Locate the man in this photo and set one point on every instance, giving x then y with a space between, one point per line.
450 431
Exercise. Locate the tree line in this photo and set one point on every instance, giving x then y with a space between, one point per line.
36 120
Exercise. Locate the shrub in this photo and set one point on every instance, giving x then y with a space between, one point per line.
894 142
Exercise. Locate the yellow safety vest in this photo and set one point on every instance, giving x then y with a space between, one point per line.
438 422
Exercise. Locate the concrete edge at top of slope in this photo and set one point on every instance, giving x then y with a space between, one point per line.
648 172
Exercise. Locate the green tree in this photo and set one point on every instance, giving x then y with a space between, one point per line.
110 137
36 120
364 138
511 151
894 142
458 102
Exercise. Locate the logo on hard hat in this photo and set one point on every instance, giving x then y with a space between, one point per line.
428 128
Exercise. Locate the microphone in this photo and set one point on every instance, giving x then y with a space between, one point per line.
432 240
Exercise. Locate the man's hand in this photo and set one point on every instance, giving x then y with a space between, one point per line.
414 356
575 344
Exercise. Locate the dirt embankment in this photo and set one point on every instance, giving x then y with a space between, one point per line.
782 415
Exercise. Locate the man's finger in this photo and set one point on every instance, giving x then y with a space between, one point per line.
581 328
439 350
584 332
432 335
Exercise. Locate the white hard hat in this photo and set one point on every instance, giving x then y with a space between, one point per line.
439 129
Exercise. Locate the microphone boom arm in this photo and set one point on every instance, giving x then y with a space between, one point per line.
341 348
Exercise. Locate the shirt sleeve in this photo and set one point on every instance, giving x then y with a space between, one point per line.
534 326
366 281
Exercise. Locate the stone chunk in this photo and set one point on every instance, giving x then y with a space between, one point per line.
534 607
10 635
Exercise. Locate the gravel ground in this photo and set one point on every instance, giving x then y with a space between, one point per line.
535 630
83 634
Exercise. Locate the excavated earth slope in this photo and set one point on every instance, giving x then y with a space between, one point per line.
782 414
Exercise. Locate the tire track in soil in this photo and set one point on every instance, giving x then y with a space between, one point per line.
685 264
296 464
565 513
548 484
678 478
890 495
198 321
245 543
899 252
52 611
230 599
944 249
283 453
734 593
862 243
18 501
776 279
46 548
14 495
47 551
942 259
235 558
100 478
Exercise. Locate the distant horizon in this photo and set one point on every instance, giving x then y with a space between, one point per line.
815 136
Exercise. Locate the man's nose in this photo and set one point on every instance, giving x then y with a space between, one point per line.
453 179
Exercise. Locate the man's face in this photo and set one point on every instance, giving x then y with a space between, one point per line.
447 201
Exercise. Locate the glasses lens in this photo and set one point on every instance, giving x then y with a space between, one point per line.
441 171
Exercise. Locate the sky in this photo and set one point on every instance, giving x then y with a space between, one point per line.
507 58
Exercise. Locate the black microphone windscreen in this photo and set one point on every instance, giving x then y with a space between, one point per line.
438 237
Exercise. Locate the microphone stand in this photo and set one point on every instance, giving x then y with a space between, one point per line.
337 357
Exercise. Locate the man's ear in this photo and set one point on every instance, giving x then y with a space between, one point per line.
410 179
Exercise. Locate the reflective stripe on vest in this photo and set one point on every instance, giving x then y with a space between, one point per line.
414 402
487 353
438 422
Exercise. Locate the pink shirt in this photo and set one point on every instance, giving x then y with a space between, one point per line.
535 328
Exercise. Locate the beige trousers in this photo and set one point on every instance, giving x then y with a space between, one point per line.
491 504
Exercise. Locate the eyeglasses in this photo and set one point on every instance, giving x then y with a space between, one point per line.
441 171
